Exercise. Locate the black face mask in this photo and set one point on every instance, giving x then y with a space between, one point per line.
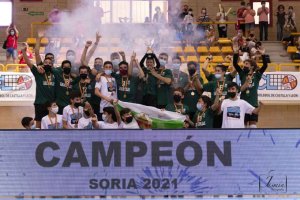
83 76
177 98
246 70
231 94
47 68
77 105
67 70
87 113
192 71
128 119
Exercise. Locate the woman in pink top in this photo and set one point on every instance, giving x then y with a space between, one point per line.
249 14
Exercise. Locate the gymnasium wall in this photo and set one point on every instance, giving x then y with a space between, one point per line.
23 19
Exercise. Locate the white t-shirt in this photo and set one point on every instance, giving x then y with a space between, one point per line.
104 125
47 124
72 116
85 123
105 90
234 113
188 19
222 18
132 125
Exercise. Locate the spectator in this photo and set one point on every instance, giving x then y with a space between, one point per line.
281 15
222 17
257 51
291 19
54 16
244 51
52 120
189 27
201 28
73 112
184 12
239 39
159 17
234 109
263 14
109 120
12 34
28 123
21 59
241 18
249 14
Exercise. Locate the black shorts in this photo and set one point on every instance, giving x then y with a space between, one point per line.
252 117
40 111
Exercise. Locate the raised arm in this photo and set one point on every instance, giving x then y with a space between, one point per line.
83 59
217 102
115 103
93 49
235 62
142 65
27 60
38 58
132 62
265 63
205 64
141 72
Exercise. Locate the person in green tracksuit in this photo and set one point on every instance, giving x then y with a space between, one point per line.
250 77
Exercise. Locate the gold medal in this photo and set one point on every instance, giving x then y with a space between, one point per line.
124 96
193 93
247 91
67 93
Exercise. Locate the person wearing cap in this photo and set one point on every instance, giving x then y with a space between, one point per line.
263 13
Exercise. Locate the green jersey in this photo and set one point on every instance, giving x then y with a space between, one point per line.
87 90
180 80
212 87
127 88
150 83
45 86
227 77
182 109
250 94
164 92
204 119
63 88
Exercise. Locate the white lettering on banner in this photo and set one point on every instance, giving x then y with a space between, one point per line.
17 87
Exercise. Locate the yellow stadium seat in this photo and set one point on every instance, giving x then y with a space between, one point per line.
214 49
218 59
31 41
44 41
225 41
182 59
296 61
227 49
177 50
189 50
203 59
202 49
292 49
192 58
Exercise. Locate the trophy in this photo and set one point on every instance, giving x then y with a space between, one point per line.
149 45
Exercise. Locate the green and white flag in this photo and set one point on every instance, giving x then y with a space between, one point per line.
150 117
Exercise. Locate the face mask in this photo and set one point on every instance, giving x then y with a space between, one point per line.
190 13
246 69
128 119
218 76
177 98
87 113
67 70
199 106
71 58
192 71
33 126
123 72
83 76
12 33
104 117
54 110
176 66
231 94
47 68
115 62
98 67
108 71
162 62
76 104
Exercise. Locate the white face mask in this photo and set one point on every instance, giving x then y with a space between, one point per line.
104 117
218 76
115 62
12 33
54 110
71 58
176 66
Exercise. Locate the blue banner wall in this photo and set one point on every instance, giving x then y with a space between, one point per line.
145 162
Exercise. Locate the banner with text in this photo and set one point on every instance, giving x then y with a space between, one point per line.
137 162
17 86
